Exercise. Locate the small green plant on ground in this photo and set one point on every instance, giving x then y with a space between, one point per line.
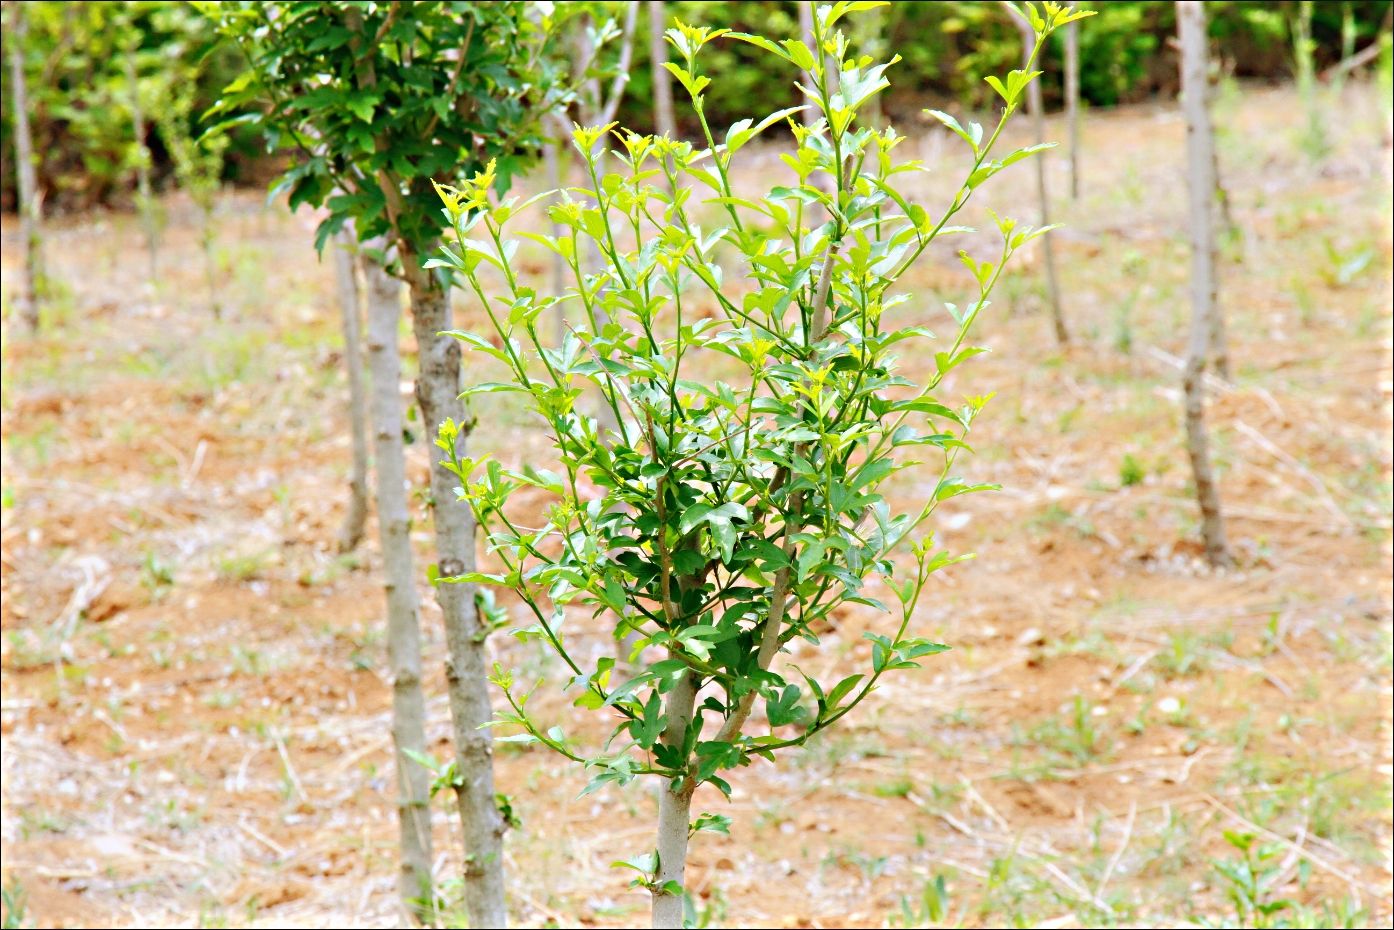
930 910
16 907
718 521
1251 881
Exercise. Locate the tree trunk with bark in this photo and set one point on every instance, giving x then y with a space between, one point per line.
663 120
346 280
399 580
467 665
823 182
674 814
1072 101
1200 160
30 209
1036 106
552 154
144 197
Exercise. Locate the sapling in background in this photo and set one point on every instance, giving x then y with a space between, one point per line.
198 168
722 519
150 219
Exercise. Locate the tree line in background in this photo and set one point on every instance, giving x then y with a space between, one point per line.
83 111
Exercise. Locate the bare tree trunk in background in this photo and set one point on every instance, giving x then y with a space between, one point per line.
1036 106
1190 18
399 579
30 209
551 156
806 33
1217 351
822 182
598 109
143 196
1223 218
1072 101
663 121
467 665
210 278
351 312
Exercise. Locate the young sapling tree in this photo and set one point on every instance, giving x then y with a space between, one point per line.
380 100
349 296
146 203
1071 33
198 168
1200 173
721 519
1035 105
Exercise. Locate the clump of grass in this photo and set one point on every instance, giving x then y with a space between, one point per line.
1075 734
1131 472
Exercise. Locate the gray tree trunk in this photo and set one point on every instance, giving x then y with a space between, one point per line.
823 182
467 665
399 578
674 813
30 209
663 121
351 312
438 396
1072 101
1036 106
552 157
1200 160
146 200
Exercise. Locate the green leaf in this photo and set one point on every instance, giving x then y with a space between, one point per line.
842 689
782 707
973 138
714 823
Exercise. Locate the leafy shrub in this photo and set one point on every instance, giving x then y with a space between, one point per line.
718 520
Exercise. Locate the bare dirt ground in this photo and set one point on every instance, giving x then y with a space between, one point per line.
195 708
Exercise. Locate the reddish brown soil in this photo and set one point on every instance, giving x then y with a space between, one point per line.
210 746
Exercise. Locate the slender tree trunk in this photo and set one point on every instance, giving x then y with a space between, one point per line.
399 579
823 182
466 669
674 813
1072 101
1222 217
1190 16
599 109
552 156
205 238
30 210
143 195
1036 106
806 31
351 313
1218 341
663 121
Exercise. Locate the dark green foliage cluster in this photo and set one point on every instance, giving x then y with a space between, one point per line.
377 99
